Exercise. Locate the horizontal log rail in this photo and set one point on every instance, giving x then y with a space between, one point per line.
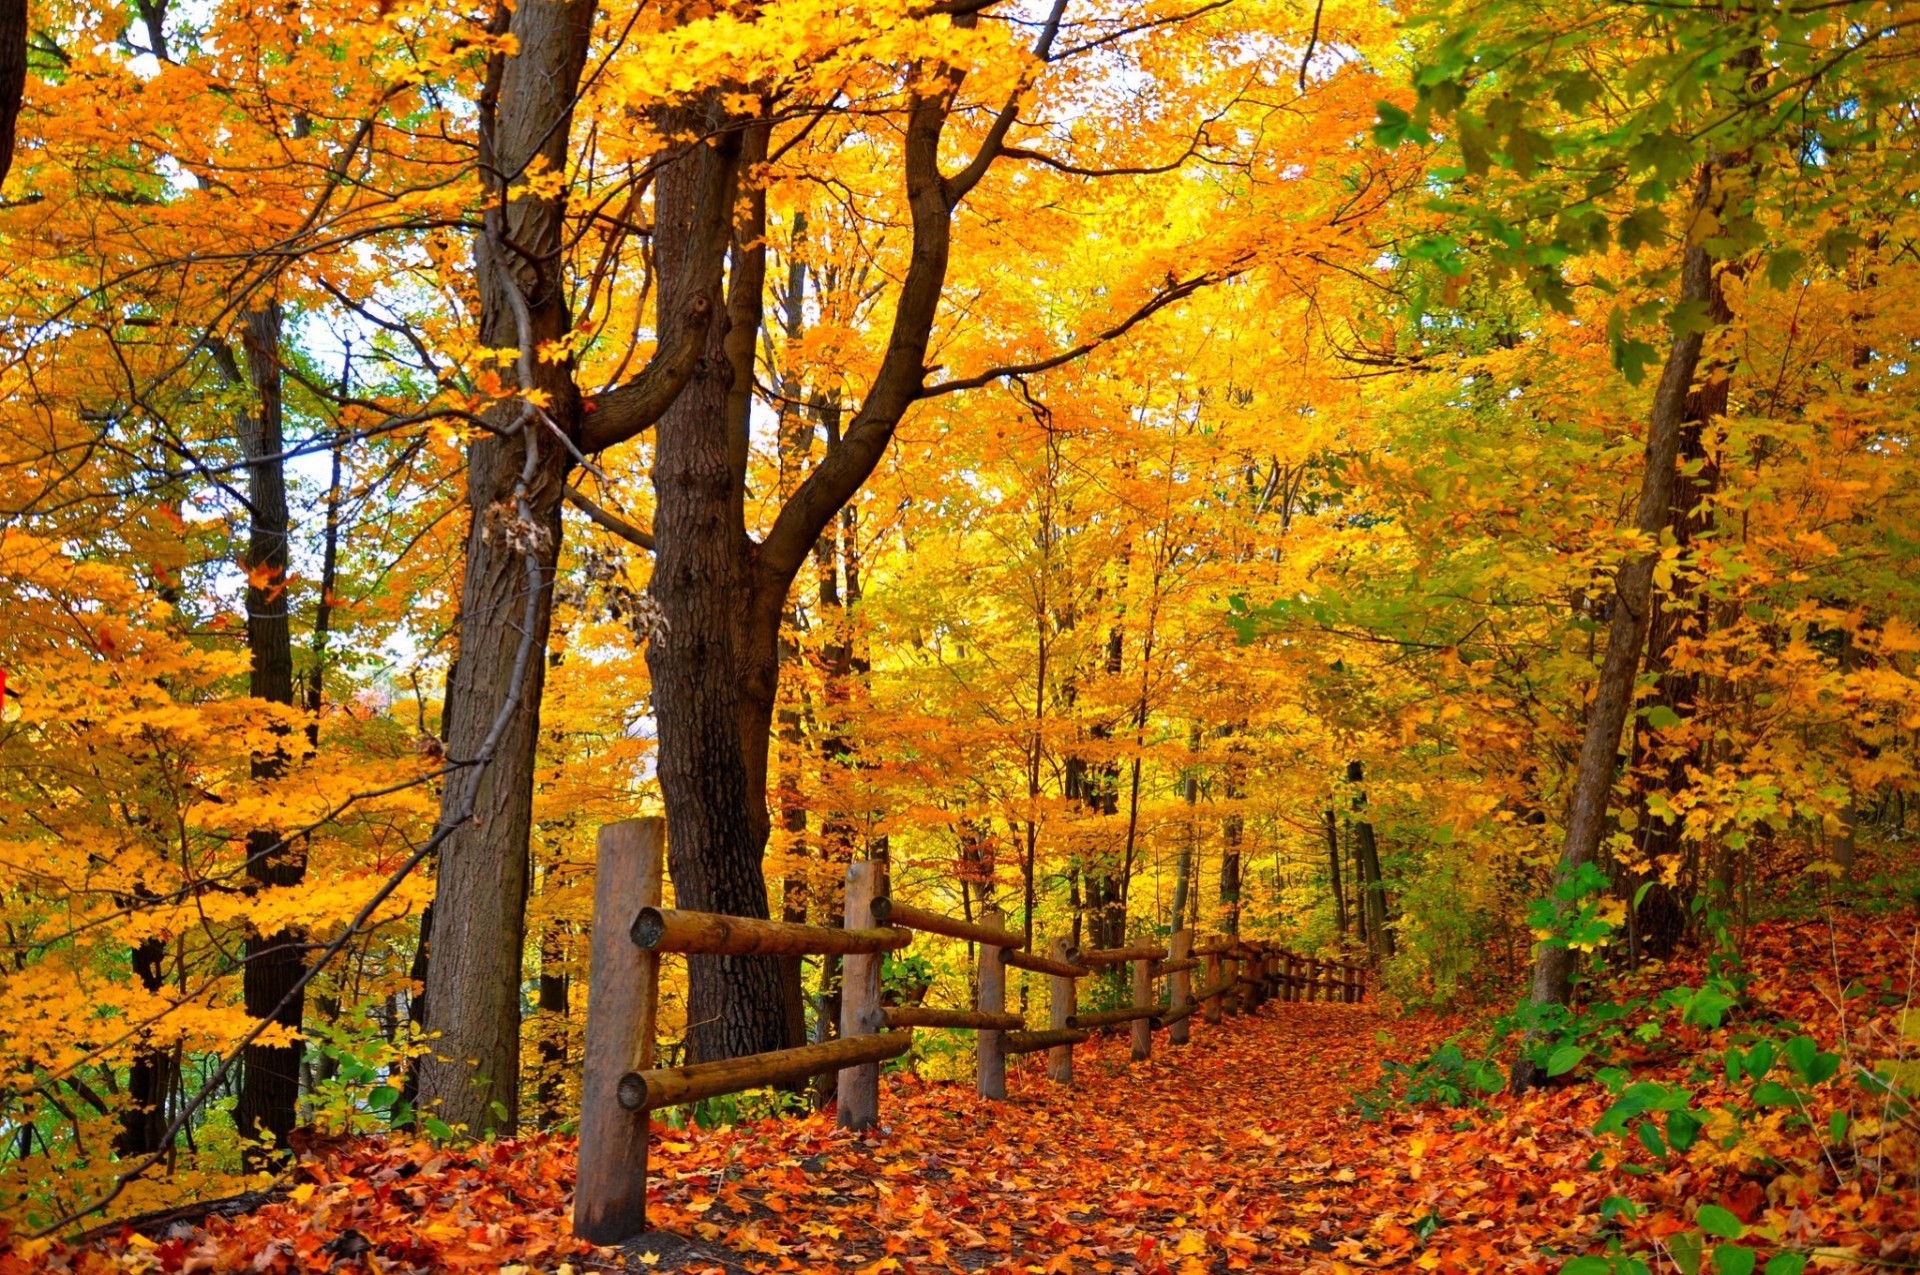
714 934
1116 955
1043 964
1034 1042
1180 1015
671 1086
888 911
920 1016
1113 1017
631 930
1214 989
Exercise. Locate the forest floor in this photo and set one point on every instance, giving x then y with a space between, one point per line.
1241 1151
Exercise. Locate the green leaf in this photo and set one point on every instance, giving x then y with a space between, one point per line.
1660 717
1564 1059
1771 1093
1393 125
1682 1128
1719 1222
1786 1264
383 1097
1836 1128
1687 1247
1619 1206
1783 267
1650 1138
1587 1266
1632 358
1731 1259
1809 1061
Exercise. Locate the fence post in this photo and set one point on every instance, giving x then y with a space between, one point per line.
991 1059
859 1087
610 1196
1182 984
1061 1001
1258 966
1142 999
1212 1010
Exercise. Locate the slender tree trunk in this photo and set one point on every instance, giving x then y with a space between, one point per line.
1333 874
1632 605
270 1074
555 986
150 1080
1190 843
1660 919
1373 889
472 1076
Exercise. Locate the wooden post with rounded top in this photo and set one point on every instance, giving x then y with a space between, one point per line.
610 1195
1142 999
1060 1007
1181 944
859 1086
991 1059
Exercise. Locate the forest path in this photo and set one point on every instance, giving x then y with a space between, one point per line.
1224 1154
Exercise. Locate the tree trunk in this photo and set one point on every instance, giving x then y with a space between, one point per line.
1333 874
1660 919
719 821
13 75
555 987
150 1080
1552 982
1373 889
472 1076
270 1074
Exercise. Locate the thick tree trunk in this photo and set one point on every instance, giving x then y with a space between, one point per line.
1632 605
270 1074
472 1076
719 820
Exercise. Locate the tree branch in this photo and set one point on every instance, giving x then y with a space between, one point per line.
1175 291
621 413
607 520
967 178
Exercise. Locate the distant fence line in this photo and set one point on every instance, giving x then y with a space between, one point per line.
631 931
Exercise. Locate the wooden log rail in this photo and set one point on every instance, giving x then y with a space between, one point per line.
632 930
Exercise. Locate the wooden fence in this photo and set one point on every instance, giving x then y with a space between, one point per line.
631 931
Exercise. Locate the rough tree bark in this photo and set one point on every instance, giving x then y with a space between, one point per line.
13 75
1632 603
270 1074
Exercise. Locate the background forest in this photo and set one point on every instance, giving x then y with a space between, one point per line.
1434 484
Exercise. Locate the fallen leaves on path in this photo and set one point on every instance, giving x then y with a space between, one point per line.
1241 1151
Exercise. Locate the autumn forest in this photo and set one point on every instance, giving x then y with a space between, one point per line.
923 635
